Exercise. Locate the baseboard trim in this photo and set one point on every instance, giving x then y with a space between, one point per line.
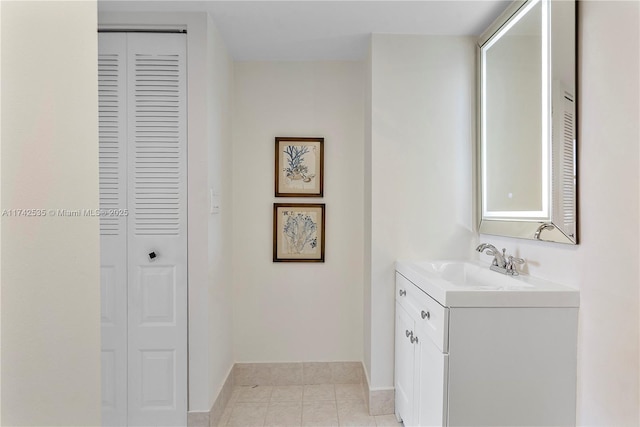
198 419
297 373
379 400
215 415
212 417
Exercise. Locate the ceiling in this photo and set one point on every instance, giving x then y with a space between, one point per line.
323 30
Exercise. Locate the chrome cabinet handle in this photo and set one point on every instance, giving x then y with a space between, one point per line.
402 292
408 333
413 340
426 315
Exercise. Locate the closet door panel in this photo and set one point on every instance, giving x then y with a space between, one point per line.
157 229
112 110
142 112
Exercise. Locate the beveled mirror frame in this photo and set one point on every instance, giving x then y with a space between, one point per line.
560 223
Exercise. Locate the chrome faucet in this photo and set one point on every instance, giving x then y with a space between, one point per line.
501 262
498 258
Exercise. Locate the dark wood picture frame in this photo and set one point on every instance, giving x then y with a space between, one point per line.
299 167
298 232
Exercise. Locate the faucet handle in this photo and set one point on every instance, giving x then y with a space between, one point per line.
504 256
492 253
511 264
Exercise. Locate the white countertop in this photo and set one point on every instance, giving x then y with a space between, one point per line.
509 291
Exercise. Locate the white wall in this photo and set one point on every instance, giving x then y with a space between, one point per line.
209 104
422 128
219 99
0 211
290 312
604 266
366 302
50 265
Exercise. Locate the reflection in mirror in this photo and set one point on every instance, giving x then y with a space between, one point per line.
514 173
527 122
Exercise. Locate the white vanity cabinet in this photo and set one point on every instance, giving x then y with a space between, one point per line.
502 358
421 364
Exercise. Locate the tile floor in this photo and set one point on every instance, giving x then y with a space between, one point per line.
301 405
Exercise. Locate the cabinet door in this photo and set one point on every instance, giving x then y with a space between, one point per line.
431 374
404 366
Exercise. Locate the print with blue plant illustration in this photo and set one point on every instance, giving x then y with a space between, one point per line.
296 168
300 231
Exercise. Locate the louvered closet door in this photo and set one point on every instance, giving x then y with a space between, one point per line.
157 226
152 175
112 107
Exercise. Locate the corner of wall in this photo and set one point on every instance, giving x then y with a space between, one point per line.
0 210
219 102
367 213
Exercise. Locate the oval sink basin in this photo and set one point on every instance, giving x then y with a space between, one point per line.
473 284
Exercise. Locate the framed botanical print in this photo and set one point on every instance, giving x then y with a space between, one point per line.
298 232
299 168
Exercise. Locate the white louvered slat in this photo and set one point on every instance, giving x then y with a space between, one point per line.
158 144
112 141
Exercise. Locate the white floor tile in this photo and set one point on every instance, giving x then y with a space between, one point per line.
323 405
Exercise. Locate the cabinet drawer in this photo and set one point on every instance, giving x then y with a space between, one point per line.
430 317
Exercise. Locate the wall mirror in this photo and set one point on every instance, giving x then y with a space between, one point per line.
527 122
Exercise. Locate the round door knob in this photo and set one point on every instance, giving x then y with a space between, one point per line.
426 315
